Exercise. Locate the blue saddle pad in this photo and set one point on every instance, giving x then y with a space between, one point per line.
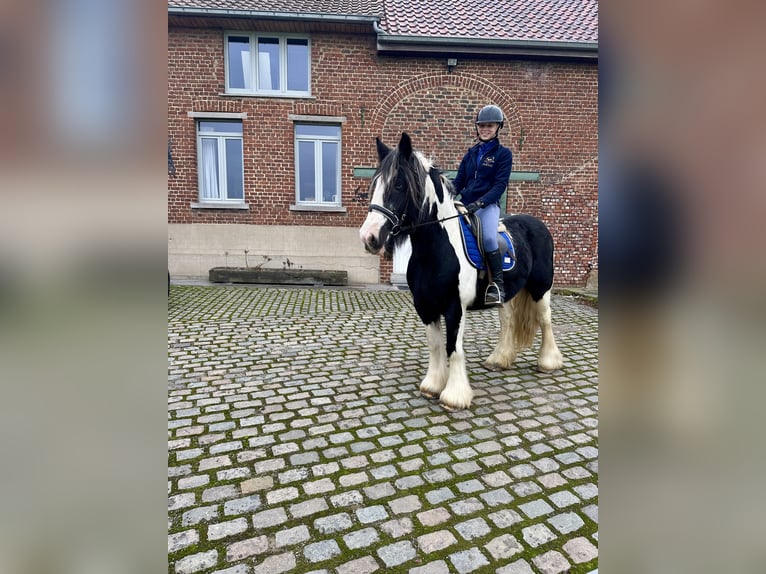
472 251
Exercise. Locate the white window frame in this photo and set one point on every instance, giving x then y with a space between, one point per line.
224 202
253 43
318 204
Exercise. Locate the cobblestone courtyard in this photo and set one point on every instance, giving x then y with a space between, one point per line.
298 441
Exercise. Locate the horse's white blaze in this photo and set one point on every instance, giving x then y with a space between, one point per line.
370 230
437 374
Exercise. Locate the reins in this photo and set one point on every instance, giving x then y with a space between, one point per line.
398 224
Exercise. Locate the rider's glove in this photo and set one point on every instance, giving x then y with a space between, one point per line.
475 206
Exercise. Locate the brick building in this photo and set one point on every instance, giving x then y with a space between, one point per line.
273 108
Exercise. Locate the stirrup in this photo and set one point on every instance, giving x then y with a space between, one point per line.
493 296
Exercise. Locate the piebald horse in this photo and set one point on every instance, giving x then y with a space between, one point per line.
410 197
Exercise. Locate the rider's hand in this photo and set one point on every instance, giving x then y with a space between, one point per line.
475 206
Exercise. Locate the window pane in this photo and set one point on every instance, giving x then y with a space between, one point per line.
234 184
209 169
306 172
317 130
297 64
329 172
233 127
268 63
239 62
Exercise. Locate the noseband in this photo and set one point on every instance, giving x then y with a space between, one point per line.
396 222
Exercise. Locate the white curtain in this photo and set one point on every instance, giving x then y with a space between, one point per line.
247 73
209 166
264 71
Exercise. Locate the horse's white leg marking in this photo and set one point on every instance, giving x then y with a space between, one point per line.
436 377
550 357
505 351
458 393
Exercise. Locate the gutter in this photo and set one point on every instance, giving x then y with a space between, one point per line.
455 45
271 15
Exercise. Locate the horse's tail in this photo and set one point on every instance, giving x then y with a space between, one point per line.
525 321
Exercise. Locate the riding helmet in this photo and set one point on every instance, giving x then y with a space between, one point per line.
490 114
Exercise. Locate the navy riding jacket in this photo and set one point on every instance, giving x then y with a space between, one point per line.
484 176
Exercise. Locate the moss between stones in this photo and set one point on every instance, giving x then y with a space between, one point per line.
418 530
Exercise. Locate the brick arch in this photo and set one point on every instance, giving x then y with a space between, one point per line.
438 109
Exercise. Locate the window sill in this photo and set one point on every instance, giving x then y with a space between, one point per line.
220 205
324 208
268 95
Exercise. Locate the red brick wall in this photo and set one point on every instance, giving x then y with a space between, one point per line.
552 129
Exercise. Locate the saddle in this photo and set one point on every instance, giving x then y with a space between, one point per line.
470 231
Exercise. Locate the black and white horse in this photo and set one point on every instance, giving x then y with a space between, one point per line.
409 197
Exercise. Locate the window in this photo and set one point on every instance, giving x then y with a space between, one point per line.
219 153
267 64
317 165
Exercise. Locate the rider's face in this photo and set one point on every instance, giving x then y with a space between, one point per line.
487 130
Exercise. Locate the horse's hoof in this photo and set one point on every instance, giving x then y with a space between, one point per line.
546 371
450 408
494 367
429 395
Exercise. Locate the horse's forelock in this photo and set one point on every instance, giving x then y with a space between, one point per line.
416 177
386 170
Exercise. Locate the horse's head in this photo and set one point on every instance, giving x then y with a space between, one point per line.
397 195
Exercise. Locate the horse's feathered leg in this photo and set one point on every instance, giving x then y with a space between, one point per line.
457 394
505 351
550 357
436 377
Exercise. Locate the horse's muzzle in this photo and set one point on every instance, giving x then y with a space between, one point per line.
374 233
373 244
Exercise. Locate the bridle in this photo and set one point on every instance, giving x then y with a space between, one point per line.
395 220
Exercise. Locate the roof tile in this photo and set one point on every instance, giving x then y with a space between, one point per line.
566 20
542 20
336 7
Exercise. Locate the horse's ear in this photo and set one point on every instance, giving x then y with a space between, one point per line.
405 145
383 149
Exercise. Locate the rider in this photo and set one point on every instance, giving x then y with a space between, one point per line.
481 180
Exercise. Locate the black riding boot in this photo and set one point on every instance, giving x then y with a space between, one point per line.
495 294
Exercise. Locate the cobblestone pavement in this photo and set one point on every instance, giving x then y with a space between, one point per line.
298 441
